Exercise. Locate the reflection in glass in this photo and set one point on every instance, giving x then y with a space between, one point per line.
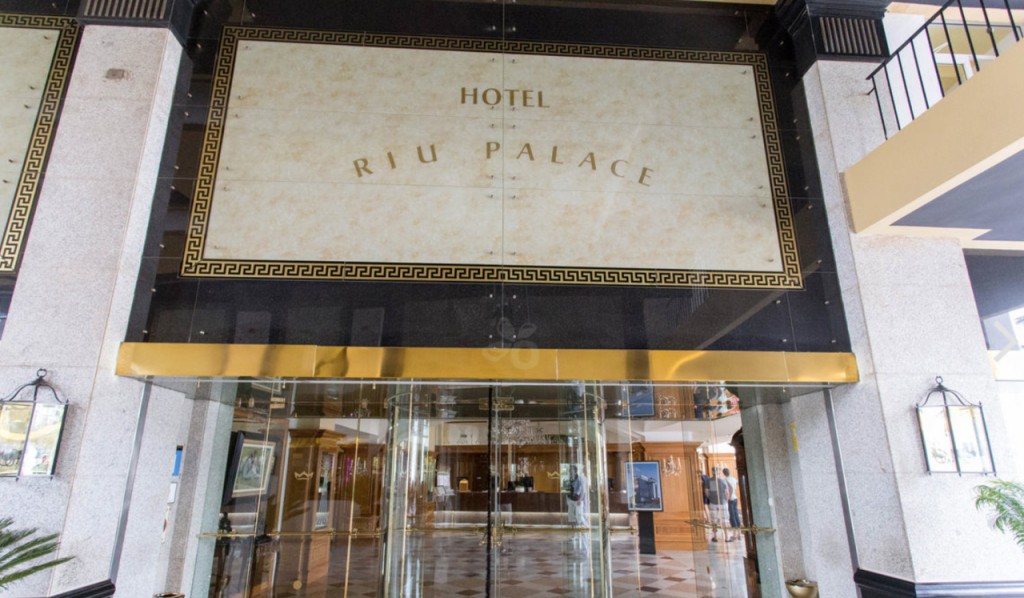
968 427
14 420
43 439
938 441
431 489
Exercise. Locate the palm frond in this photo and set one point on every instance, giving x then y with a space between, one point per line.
1006 500
8 538
33 549
20 552
6 580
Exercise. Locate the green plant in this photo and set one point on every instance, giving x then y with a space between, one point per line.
18 550
1007 500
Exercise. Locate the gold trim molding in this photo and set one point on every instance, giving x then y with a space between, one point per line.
30 179
195 264
386 363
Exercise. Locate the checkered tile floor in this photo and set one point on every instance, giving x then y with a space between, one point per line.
539 565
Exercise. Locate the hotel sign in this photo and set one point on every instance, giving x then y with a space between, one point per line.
36 53
382 157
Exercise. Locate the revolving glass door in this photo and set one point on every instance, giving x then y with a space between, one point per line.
495 490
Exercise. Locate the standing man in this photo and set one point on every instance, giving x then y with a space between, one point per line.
579 510
579 499
718 496
734 504
705 490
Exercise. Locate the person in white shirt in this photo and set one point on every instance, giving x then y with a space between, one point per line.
718 494
579 499
734 509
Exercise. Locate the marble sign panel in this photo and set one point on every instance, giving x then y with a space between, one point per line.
36 55
382 157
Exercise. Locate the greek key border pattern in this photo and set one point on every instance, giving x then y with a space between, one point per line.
30 179
194 265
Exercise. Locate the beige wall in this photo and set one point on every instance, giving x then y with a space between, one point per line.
975 127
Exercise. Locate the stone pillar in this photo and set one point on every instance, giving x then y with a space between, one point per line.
71 303
763 471
823 544
191 558
911 316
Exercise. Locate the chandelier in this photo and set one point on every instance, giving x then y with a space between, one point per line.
521 432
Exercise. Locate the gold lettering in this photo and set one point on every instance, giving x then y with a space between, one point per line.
492 146
615 170
554 155
527 98
433 154
494 93
391 160
643 176
590 159
362 165
526 150
492 96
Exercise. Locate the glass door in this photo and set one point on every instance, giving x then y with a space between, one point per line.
492 490
495 491
679 499
550 534
435 495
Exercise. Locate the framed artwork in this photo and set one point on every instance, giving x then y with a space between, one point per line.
643 486
640 398
250 467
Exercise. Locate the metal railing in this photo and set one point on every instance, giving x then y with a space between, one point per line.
942 54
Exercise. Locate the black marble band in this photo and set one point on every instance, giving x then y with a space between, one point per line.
877 585
103 589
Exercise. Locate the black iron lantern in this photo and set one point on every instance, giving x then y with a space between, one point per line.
30 429
954 433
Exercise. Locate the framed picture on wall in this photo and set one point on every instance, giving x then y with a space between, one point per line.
640 400
250 467
643 486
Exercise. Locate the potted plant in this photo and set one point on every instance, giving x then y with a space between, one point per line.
20 552
1006 499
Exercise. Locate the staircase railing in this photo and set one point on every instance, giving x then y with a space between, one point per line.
942 54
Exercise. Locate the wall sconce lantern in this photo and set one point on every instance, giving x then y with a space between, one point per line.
954 433
30 430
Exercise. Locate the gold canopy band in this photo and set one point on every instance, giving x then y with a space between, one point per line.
388 363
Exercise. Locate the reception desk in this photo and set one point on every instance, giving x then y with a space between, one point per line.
516 502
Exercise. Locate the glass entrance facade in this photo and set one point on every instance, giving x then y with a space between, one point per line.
470 489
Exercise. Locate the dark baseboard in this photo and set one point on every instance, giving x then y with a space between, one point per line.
103 589
877 585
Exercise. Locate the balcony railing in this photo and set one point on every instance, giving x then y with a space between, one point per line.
947 50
